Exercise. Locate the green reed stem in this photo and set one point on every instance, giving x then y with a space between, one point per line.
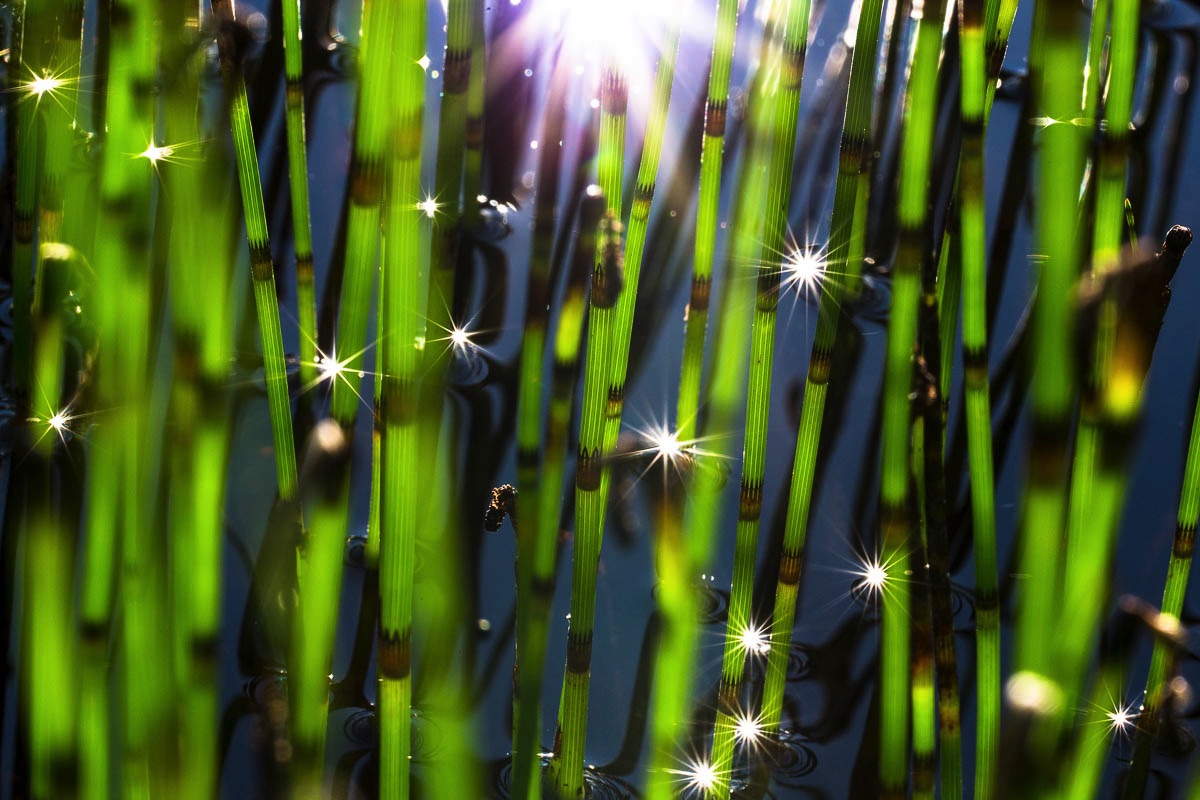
262 269
401 324
589 504
775 113
711 158
306 302
314 625
368 167
855 154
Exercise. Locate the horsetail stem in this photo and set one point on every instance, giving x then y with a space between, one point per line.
315 621
639 214
896 531
473 138
924 698
368 169
531 624
306 303
855 151
1178 569
200 275
1058 86
774 116
589 507
711 158
262 269
402 325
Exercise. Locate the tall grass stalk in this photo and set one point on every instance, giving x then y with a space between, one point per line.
401 323
711 158
853 160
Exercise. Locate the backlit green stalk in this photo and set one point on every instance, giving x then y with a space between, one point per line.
589 508
896 537
1178 569
776 106
924 699
319 568
298 181
1084 509
532 625
262 269
368 168
635 243
401 306
118 506
1057 78
48 642
200 262
711 158
59 118
973 248
473 158
28 64
855 152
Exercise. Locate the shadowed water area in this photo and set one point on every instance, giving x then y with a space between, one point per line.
829 741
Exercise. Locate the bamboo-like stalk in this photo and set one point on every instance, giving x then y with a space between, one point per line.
855 154
589 507
306 303
775 114
262 269
711 158
319 568
1057 78
401 324
368 169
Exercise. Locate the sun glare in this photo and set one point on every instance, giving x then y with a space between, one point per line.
754 640
697 775
804 269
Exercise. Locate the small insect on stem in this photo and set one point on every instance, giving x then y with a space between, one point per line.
504 501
